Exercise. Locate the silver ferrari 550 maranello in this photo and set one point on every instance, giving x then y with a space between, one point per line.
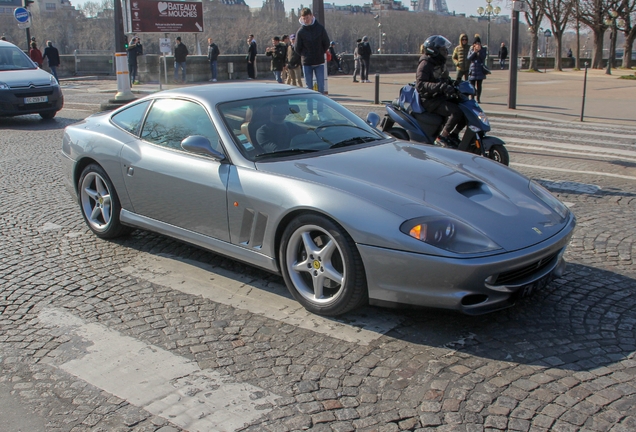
288 180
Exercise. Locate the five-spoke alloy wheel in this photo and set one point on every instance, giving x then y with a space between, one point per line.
100 204
321 266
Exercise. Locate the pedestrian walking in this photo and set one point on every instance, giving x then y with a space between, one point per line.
476 72
312 42
294 74
53 55
35 54
278 53
460 58
134 50
356 60
503 55
250 58
213 56
364 51
180 54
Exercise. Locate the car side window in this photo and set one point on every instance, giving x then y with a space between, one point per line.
170 121
130 119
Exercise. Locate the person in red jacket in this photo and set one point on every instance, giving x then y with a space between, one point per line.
35 54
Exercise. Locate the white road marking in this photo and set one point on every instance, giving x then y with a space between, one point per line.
545 168
156 380
271 300
567 152
588 149
574 130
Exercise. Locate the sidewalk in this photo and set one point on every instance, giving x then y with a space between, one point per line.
553 96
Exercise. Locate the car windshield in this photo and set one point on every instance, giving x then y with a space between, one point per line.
11 58
283 126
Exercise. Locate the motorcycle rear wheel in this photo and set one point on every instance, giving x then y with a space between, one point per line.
499 153
399 133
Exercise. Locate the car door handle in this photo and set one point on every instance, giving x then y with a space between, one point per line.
130 171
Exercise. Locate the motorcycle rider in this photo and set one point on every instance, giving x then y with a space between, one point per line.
435 90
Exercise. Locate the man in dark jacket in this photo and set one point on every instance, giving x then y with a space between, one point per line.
51 53
364 51
134 50
213 55
180 54
312 41
503 55
250 58
278 53
434 88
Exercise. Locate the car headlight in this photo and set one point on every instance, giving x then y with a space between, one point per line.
544 195
4 86
53 81
482 117
449 234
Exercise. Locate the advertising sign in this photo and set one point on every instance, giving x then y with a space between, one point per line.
148 16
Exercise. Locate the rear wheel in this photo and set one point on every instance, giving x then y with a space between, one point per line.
332 68
100 204
345 67
499 153
321 266
399 133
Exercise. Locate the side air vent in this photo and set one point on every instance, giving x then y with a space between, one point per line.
253 229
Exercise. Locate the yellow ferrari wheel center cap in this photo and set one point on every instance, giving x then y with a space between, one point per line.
316 264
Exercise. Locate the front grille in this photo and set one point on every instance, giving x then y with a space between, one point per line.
23 94
524 272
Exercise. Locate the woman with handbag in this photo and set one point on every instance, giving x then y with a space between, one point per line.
478 70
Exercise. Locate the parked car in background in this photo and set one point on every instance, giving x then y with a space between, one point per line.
24 87
286 179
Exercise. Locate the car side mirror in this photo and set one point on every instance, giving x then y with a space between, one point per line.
373 119
199 144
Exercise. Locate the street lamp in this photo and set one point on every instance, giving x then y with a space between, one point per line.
548 34
488 12
614 23
381 35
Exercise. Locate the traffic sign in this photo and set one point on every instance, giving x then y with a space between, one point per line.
21 15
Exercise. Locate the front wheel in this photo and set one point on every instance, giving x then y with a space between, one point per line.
345 67
321 266
499 153
100 204
48 115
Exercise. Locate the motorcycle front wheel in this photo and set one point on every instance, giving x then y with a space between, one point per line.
499 153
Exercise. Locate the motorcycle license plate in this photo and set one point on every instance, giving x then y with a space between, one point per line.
38 99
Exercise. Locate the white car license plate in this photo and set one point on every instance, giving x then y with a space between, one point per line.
38 99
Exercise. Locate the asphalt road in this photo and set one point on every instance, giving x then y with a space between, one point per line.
146 333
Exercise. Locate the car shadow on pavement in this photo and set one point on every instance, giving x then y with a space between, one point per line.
580 322
34 122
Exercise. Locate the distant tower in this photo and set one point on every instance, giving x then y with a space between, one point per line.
274 7
438 6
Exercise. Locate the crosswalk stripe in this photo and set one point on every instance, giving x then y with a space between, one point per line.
546 168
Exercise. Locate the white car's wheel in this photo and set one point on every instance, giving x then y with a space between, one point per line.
321 266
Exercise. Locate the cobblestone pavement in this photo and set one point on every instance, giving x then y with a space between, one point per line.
562 360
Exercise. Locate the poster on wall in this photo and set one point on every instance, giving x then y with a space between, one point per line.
149 16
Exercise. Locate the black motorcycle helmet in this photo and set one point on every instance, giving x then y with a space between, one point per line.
437 46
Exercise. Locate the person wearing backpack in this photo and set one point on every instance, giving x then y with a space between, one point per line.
294 75
278 53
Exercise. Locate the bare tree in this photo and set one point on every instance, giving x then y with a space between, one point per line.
628 14
593 14
558 12
534 15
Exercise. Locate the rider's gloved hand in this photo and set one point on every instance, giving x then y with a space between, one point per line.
449 90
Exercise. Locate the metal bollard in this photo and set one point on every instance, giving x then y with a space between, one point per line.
230 69
377 89
584 86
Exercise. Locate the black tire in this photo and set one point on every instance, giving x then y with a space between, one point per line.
332 68
48 115
499 153
399 133
100 204
315 255
345 67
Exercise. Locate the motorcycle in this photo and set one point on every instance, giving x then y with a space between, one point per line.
403 121
332 67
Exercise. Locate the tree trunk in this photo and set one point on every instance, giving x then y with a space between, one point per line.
557 52
627 50
597 56
534 43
